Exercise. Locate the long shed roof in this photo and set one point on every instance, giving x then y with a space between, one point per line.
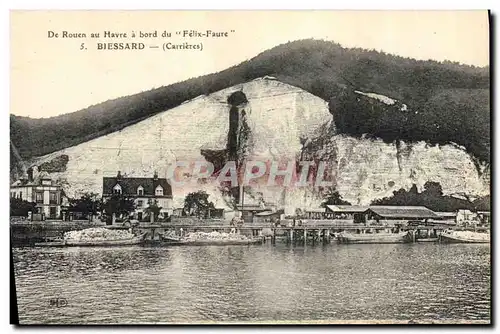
418 212
347 208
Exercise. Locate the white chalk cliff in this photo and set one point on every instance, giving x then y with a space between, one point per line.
281 118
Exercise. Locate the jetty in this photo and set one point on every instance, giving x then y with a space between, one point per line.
339 223
293 232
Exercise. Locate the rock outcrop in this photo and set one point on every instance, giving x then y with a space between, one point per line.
284 122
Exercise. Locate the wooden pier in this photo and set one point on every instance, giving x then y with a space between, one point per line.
306 233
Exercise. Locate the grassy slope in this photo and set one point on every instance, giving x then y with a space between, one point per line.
451 100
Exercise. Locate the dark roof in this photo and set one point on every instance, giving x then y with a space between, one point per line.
446 214
129 185
251 207
347 208
270 213
403 211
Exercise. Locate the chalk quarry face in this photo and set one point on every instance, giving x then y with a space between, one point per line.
282 122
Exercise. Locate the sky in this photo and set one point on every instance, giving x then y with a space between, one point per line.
52 76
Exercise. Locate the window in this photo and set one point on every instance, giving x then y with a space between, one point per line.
117 189
53 198
159 191
20 195
140 203
39 197
140 191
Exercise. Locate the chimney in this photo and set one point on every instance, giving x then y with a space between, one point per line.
35 172
23 178
30 174
119 176
155 176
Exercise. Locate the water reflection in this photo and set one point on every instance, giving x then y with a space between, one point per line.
159 284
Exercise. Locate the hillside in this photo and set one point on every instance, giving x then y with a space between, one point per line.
277 122
447 102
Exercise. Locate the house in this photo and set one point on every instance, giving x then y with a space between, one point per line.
143 190
40 189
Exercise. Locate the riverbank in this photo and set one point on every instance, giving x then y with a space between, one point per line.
314 232
30 232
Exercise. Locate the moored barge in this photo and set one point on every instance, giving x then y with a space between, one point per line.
373 238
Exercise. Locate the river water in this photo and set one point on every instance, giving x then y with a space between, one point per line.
147 284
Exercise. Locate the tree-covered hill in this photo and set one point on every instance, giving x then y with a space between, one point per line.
447 102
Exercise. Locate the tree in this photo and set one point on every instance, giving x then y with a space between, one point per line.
483 203
432 197
333 197
433 189
197 204
153 209
119 204
20 207
322 68
88 203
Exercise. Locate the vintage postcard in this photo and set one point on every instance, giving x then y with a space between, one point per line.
240 167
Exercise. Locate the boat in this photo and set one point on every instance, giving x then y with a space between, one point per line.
55 243
214 242
180 241
373 238
117 242
464 237
82 243
169 237
427 239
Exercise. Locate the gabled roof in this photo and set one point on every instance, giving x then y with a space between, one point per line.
347 208
129 185
403 211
